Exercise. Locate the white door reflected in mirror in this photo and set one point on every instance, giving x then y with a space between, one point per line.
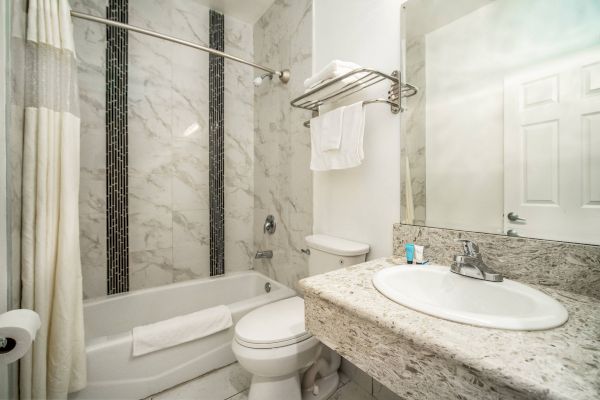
507 118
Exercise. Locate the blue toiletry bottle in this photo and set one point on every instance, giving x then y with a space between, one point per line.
410 252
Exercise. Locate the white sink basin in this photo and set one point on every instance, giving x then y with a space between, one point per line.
434 290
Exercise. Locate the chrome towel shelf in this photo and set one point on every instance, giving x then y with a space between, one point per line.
351 83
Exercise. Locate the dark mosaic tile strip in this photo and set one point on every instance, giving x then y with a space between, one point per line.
117 213
216 90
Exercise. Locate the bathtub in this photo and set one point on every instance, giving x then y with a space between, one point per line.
112 371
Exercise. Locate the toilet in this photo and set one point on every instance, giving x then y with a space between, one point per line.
272 342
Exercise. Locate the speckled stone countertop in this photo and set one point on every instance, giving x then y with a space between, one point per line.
422 357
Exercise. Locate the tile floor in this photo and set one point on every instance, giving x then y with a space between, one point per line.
232 382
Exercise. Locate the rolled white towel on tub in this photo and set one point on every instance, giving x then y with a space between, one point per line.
181 329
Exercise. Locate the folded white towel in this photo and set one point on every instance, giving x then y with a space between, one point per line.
332 70
351 153
181 329
328 128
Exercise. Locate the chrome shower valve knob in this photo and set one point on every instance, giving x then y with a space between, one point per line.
270 225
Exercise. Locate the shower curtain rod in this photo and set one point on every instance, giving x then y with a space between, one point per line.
284 75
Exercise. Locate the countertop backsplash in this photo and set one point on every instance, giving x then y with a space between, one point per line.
567 266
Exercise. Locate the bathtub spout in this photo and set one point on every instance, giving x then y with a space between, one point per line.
264 254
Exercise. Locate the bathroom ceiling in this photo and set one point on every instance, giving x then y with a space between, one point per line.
246 10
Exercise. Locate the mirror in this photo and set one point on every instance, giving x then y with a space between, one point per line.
504 134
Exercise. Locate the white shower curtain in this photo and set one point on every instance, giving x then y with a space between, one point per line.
51 266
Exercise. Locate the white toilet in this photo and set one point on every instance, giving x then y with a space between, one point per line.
272 343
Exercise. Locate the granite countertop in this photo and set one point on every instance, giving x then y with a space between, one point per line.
561 363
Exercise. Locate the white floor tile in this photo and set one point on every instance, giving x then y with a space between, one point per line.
351 391
232 383
217 385
240 396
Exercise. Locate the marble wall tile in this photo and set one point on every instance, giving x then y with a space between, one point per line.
190 244
150 231
239 147
282 179
92 242
190 175
189 261
92 187
90 45
566 266
149 268
168 144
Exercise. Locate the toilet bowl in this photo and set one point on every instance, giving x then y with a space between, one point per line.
272 343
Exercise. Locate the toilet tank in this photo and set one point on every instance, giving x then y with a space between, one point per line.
328 253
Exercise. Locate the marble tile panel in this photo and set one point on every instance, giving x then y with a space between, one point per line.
150 68
150 231
566 266
190 21
239 243
92 240
94 281
94 7
283 183
149 193
191 227
150 268
190 175
190 261
91 106
150 147
190 119
151 14
92 191
191 244
190 93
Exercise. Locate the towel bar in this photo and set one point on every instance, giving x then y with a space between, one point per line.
351 83
381 101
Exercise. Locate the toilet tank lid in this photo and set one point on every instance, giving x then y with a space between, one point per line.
335 245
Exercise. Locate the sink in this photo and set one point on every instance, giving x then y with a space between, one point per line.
434 290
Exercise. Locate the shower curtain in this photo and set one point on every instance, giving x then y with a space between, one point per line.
50 260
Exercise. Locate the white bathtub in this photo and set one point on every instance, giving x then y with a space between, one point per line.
112 371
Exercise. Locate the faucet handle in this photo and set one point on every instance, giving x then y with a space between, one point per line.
471 249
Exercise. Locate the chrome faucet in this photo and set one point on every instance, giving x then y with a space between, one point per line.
471 264
264 254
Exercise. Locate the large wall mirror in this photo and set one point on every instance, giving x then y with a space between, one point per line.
504 134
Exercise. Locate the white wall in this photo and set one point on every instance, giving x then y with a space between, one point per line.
466 62
361 203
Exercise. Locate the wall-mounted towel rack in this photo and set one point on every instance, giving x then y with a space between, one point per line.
353 82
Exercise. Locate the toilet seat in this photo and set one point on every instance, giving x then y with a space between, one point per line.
274 325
